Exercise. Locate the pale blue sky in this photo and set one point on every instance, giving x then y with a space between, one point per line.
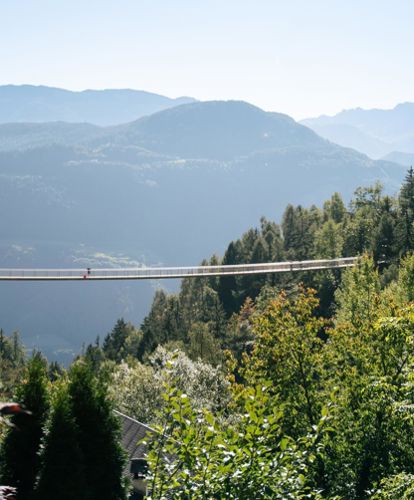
301 57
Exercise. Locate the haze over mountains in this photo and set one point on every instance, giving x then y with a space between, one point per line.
375 132
170 188
29 103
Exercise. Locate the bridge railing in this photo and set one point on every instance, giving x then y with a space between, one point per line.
171 272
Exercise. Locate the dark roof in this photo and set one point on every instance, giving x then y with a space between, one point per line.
133 432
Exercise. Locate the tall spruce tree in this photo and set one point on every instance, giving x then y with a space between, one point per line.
161 324
228 285
406 205
63 471
98 433
19 459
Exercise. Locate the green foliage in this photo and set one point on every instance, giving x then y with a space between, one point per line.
63 473
123 341
260 426
298 233
328 241
405 230
19 455
249 460
358 295
98 434
335 209
398 487
370 361
161 325
81 456
202 344
136 389
405 284
12 361
287 352
374 224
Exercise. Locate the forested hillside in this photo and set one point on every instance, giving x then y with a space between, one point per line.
87 196
374 223
261 387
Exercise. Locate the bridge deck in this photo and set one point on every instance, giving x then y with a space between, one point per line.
171 272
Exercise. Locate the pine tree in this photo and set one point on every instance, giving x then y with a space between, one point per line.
19 460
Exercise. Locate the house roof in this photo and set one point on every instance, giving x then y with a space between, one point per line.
133 432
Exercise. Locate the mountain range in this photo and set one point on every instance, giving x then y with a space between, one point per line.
375 132
29 103
171 188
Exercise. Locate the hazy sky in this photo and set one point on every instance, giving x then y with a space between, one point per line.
301 57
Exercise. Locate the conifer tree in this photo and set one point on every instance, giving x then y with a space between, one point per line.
228 285
63 470
335 208
123 340
406 204
153 326
357 297
98 433
19 460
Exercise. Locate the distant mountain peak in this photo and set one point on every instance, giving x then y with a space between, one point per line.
215 130
376 132
39 103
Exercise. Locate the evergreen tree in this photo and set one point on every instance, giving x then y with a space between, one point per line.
298 233
94 355
153 326
272 236
358 295
358 232
228 285
98 433
384 242
252 283
123 340
63 471
406 219
334 208
19 460
328 241
12 362
405 283
203 345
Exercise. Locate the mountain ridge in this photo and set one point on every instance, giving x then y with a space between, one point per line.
168 189
376 132
31 103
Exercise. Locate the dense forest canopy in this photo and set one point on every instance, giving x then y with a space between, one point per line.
266 386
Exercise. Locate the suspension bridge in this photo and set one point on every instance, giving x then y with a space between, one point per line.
156 273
